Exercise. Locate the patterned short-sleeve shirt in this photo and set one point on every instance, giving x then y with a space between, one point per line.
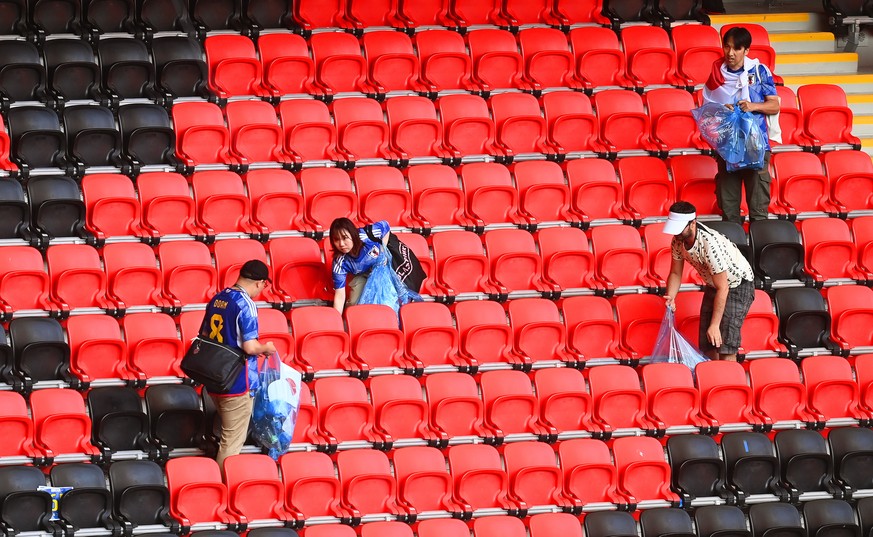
713 253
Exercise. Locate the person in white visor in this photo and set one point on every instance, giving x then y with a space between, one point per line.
728 276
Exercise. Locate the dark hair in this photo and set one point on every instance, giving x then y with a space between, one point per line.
683 207
741 37
344 224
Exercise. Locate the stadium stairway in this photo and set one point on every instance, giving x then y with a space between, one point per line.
807 54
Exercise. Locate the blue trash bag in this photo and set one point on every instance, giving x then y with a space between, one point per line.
385 287
275 406
734 134
671 346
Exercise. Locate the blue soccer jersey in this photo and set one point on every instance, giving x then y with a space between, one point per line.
344 264
231 318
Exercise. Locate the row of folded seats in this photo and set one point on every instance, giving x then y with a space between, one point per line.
449 408
527 480
531 195
402 130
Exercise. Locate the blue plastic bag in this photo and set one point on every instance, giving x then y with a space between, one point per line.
275 406
671 346
734 134
385 287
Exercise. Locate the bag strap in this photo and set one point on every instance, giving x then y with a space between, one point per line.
368 229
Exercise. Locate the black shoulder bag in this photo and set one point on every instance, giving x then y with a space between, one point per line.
213 365
403 260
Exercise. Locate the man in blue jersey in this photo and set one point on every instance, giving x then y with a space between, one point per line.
232 319
738 79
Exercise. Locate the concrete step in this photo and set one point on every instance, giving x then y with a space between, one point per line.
853 84
803 42
774 22
861 104
862 127
867 146
816 63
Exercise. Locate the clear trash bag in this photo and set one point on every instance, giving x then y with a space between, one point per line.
275 406
385 287
671 346
735 134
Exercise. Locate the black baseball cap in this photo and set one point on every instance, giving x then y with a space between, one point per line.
256 270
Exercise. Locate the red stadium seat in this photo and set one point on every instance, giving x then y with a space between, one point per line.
443 527
579 12
643 472
639 317
779 394
16 427
308 131
693 177
153 346
589 473
486 337
401 411
383 195
534 474
567 259
511 406
322 342
651 59
393 65
761 327
831 388
61 423
621 259
455 406
368 486
597 192
426 13
548 62
624 124
344 410
476 12
726 395
424 482
255 134
864 377
365 14
431 337
539 332
331 530
112 208
375 338
445 64
564 401
515 263
688 314
415 130
255 491
827 118
339 64
275 199
97 350
298 269
599 58
197 493
24 282
545 524
327 194
592 329
850 174
521 128
231 254
648 189
673 126
461 264
189 276
273 326
167 205
790 120
311 486
363 133
468 128
800 185
77 277
497 64
234 69
201 136
697 47
222 203
572 125
830 251
491 196
436 195
286 64
851 308
480 480
672 397
391 528
543 192
862 230
499 526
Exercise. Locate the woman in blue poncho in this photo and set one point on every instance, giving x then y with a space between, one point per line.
364 256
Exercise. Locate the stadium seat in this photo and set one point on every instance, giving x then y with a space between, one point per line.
340 66
309 15
534 475
491 196
829 517
139 493
543 192
567 259
768 518
153 345
374 336
197 493
539 332
697 46
16 212
285 62
384 13
515 263
24 77
298 269
592 329
486 337
308 131
803 318
461 264
468 128
597 192
618 399
231 254
176 416
831 388
73 73
521 128
850 309
511 406
400 408
830 251
436 195
455 406
751 464
827 118
234 69
164 16
589 473
805 463
255 134
89 504
648 189
36 139
599 58
850 174
133 278
761 328
424 483
862 230
311 485
779 393
431 337
624 124
777 251
210 16
24 280
179 65
790 121
111 206
565 403
696 466
609 523
497 526
327 194
61 423
620 257
275 198
363 132
692 176
800 185
480 480
201 136
322 342
189 275
548 62
40 351
391 528
712 520
445 64
126 68
673 126
147 136
16 427
441 527
651 59
725 394
331 530
850 449
77 278
97 350
687 319
344 411
368 485
56 207
255 491
672 397
641 315
416 133
572 125
571 12
25 508
393 65
497 63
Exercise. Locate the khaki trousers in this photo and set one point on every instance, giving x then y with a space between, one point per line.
235 412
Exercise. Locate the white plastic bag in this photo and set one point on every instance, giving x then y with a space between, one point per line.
671 346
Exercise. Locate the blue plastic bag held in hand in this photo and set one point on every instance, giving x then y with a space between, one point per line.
275 405
735 134
671 346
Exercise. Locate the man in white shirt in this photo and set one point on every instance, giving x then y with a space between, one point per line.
729 289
